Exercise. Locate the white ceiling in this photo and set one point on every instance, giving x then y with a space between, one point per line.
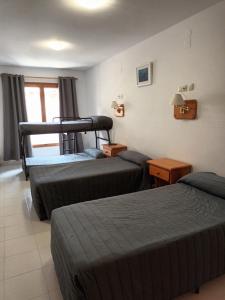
96 35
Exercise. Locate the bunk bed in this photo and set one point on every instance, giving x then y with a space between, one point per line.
67 127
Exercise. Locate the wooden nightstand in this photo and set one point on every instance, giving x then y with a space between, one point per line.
167 171
113 149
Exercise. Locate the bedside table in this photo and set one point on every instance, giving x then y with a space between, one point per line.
167 171
113 149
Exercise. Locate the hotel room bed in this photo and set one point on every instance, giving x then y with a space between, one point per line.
153 244
59 185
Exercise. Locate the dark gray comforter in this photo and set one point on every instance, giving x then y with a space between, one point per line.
56 186
154 244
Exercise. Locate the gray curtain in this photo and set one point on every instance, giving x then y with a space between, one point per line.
69 108
14 110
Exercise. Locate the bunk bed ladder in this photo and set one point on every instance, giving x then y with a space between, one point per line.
97 138
66 142
65 136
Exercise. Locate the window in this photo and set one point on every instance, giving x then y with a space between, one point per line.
42 103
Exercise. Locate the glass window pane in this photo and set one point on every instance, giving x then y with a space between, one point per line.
34 111
41 139
52 110
51 103
33 104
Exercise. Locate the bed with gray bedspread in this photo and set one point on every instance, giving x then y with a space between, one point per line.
59 185
154 244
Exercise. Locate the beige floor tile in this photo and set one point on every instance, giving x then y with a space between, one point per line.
55 295
200 296
43 297
2 222
2 290
20 245
2 234
22 263
13 209
13 201
46 256
16 231
2 249
213 290
18 219
40 226
43 239
26 286
1 269
51 278
18 194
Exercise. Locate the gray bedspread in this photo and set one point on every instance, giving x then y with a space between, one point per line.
150 245
56 186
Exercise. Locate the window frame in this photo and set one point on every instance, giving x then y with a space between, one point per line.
42 86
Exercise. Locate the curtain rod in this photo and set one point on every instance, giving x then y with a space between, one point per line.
41 77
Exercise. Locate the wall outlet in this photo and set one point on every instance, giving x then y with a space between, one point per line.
183 88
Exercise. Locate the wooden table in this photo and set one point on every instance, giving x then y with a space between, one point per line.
113 149
167 171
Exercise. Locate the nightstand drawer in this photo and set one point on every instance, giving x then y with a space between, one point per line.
160 173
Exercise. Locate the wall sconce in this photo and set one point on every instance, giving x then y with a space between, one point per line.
184 109
118 109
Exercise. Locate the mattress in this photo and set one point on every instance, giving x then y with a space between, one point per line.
56 160
80 125
154 244
56 186
88 154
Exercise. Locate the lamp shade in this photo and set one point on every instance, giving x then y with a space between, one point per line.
114 104
177 100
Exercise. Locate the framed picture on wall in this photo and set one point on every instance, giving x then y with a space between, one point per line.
144 74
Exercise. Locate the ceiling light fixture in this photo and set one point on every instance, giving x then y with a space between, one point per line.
94 4
58 45
55 44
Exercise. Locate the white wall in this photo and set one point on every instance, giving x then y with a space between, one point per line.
149 125
81 91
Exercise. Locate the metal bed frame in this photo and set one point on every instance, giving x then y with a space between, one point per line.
65 140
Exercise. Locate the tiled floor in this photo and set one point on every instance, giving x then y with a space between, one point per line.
26 267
